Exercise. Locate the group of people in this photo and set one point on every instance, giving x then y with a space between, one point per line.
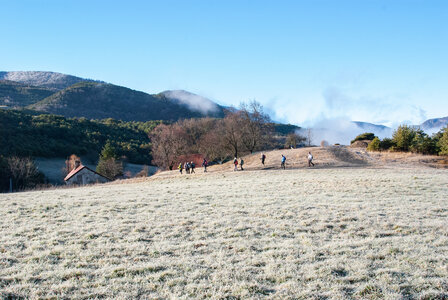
283 160
241 163
190 166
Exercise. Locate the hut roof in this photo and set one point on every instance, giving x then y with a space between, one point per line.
78 169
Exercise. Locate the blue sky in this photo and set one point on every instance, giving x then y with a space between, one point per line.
306 61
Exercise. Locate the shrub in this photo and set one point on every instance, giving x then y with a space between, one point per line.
374 145
24 173
386 144
364 136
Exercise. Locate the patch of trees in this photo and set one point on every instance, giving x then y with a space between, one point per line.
19 173
367 136
241 131
410 139
23 134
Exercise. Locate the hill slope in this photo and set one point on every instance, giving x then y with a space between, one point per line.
346 233
23 134
95 100
15 94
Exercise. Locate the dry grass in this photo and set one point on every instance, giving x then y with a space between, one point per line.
353 232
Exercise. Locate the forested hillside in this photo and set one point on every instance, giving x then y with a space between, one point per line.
95 100
24 134
15 94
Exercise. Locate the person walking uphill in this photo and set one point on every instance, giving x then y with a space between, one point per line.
283 165
263 158
235 162
192 166
241 163
180 167
204 164
310 159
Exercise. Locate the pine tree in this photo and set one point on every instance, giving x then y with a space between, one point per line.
109 164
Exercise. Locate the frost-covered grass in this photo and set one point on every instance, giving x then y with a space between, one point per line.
337 233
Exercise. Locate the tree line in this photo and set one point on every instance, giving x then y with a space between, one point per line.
23 134
241 131
409 139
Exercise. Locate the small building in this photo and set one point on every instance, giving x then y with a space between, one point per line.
83 175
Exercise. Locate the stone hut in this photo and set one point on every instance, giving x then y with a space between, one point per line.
83 175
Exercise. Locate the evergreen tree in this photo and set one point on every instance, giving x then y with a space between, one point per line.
443 142
109 164
403 138
374 145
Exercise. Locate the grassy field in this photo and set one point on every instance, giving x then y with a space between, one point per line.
338 233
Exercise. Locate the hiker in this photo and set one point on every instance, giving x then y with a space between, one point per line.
192 166
204 164
180 167
283 165
310 159
263 158
187 168
241 163
235 162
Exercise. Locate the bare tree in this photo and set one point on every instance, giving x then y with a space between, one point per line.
24 173
254 125
294 139
168 142
309 137
71 163
194 130
212 144
110 168
232 132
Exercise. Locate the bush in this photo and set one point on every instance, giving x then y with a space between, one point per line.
386 144
23 172
364 136
374 145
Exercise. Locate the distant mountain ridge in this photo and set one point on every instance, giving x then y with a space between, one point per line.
433 125
96 100
71 96
51 80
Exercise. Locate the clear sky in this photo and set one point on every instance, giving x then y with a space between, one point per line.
384 62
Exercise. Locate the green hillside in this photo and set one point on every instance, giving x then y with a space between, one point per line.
95 100
24 134
15 94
